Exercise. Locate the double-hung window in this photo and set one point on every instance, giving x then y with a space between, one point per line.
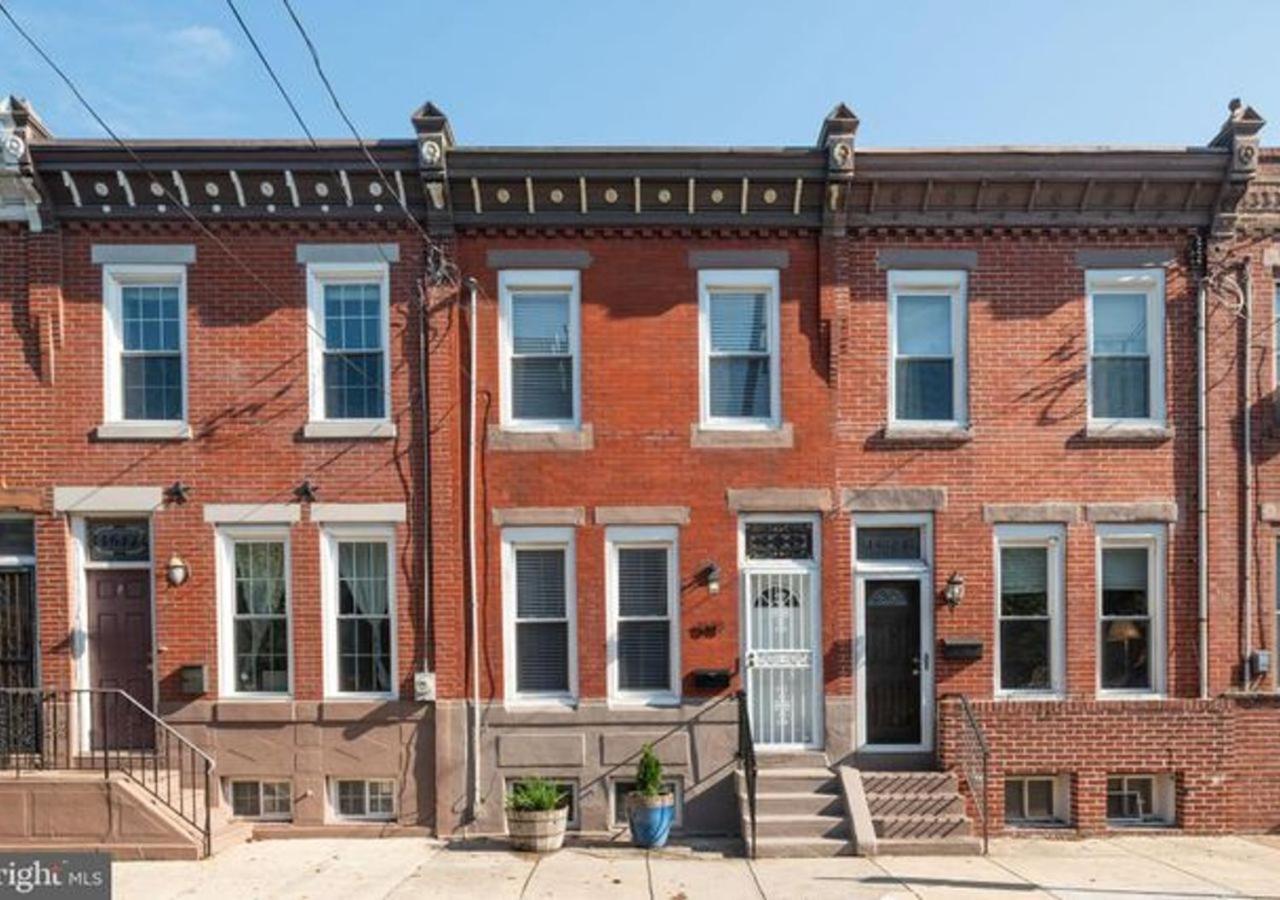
146 335
741 381
928 321
1126 347
269 800
1029 582
359 597
254 599
1131 587
643 592
540 355
539 614
348 340
373 798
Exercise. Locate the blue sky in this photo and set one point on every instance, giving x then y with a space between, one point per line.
746 72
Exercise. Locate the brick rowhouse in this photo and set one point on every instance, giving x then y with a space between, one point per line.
705 362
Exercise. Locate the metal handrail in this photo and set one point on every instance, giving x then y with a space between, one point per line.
747 753
44 728
975 762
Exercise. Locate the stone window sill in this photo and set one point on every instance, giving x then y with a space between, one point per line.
1120 431
143 431
781 438
354 430
505 439
928 434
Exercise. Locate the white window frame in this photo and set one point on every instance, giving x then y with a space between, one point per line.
366 816
226 537
626 537
1060 801
537 538
1154 538
711 281
618 817
514 281
331 536
115 278
1053 538
320 274
1163 800
954 283
1151 283
262 816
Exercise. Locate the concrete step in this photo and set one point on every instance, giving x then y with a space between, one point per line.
934 804
796 780
947 826
800 826
801 847
793 759
959 846
795 804
909 783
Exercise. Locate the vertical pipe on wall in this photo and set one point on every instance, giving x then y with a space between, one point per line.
424 300
1202 464
1247 518
472 288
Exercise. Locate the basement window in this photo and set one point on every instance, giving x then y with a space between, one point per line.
373 799
1034 801
1136 800
266 800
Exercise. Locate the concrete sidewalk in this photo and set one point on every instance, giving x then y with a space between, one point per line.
1127 868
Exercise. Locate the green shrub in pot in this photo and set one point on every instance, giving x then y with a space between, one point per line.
537 814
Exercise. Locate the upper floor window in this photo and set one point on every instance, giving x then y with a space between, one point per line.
350 376
1131 585
740 367
145 343
1126 346
539 353
1029 587
928 320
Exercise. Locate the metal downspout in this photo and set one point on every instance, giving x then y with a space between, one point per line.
1202 469
472 287
1246 412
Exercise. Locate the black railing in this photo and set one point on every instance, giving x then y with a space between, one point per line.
106 730
975 762
747 754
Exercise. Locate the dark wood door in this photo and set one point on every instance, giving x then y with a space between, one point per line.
893 662
120 656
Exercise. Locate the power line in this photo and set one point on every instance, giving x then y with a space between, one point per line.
438 263
168 193
272 72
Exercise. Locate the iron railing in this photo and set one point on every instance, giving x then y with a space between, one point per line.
975 762
106 730
747 755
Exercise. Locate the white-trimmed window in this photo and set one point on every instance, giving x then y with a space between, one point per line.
253 603
739 335
1035 801
643 594
539 353
358 590
1134 800
1126 346
619 788
539 614
928 334
1029 587
349 371
267 800
1131 590
363 798
145 378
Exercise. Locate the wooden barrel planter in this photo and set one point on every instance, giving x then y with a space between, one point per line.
541 831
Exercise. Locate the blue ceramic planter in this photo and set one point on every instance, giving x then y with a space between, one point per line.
650 819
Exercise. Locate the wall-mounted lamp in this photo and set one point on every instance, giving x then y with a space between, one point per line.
177 571
710 575
953 593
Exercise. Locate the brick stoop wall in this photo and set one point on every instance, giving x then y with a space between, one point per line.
1221 753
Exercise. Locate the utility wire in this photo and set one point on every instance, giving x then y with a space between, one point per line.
272 72
166 190
439 263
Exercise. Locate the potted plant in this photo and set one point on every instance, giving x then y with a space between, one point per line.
537 813
650 807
